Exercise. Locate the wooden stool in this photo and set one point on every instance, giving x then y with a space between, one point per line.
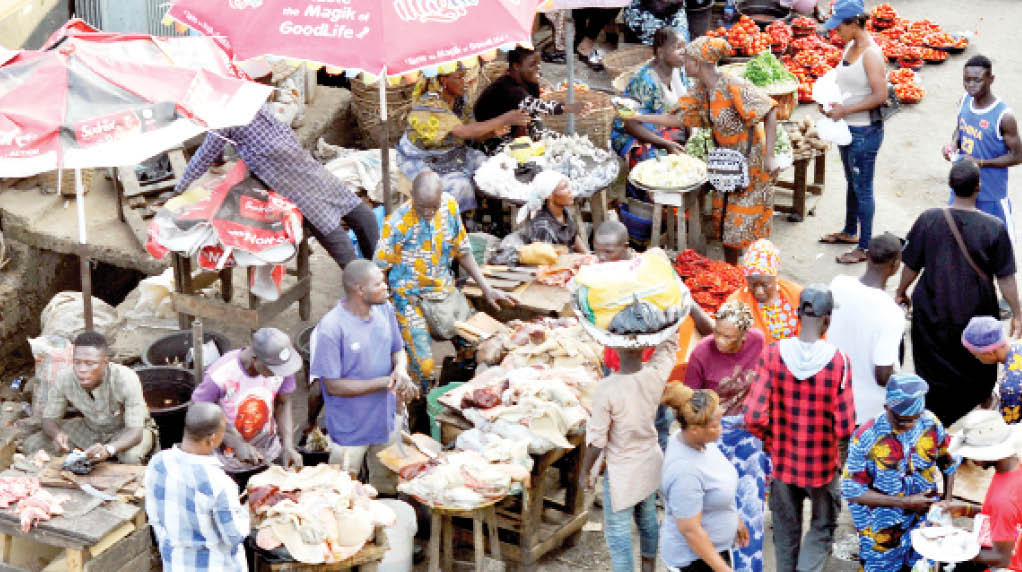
688 234
799 185
442 521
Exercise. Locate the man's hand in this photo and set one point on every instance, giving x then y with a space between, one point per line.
97 452
742 536
249 454
516 117
495 297
956 509
63 442
292 458
403 385
583 481
1016 325
902 299
918 502
947 150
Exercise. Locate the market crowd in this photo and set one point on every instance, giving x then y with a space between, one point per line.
791 394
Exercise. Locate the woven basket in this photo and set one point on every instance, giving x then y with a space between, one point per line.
472 84
365 102
67 183
626 58
596 125
786 104
490 73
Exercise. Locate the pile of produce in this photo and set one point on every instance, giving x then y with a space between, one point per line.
805 141
909 92
316 514
744 36
701 141
902 76
766 70
780 36
669 172
460 479
709 281
552 342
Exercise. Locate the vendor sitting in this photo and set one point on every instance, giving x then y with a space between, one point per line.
438 126
550 222
519 89
253 385
114 419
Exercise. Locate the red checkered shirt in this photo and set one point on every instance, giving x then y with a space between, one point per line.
801 421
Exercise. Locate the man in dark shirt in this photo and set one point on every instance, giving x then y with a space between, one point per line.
553 224
958 284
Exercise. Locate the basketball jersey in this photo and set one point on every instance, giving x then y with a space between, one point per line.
979 137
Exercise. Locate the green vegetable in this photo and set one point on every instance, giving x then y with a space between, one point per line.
699 143
765 69
783 144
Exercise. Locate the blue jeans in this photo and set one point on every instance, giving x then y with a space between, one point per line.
617 530
859 161
664 418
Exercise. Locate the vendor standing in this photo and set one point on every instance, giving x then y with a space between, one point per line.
623 431
114 419
550 222
359 383
253 385
420 242
519 89
439 125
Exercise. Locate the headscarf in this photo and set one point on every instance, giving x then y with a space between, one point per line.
906 394
543 185
983 334
761 259
709 50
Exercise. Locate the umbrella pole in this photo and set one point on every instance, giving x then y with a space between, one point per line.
385 144
83 252
569 47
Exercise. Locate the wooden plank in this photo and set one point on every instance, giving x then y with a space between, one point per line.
138 227
498 283
5 547
177 162
215 310
123 553
139 563
115 536
477 539
300 290
433 555
102 476
75 560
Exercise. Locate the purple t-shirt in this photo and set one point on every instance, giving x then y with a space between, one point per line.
730 375
344 346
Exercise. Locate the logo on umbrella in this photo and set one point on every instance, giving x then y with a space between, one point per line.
15 137
242 4
425 11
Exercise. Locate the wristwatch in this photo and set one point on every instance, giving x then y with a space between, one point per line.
111 450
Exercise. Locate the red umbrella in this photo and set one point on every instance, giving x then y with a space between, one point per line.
105 100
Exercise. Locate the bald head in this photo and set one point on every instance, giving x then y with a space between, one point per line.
610 241
426 187
356 274
202 420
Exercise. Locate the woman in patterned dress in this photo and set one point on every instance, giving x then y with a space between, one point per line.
773 300
733 109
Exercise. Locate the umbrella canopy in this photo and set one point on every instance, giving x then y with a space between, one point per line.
572 4
104 100
373 36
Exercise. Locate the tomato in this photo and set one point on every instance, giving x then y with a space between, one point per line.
903 75
909 93
940 40
884 12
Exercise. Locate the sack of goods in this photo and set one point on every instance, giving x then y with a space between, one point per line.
642 295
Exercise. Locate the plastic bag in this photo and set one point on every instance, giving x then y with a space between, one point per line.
63 316
643 318
826 91
613 285
836 132
537 254
52 355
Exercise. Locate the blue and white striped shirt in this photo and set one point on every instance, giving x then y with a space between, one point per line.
194 509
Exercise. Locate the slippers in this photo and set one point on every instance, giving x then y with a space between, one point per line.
853 256
838 238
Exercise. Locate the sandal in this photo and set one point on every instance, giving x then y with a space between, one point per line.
853 256
594 60
838 238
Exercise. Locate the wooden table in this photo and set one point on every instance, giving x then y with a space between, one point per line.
520 518
689 234
799 185
88 540
442 524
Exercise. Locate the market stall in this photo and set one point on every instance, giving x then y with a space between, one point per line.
541 289
677 181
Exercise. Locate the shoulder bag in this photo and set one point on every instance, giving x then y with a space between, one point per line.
961 244
442 310
728 171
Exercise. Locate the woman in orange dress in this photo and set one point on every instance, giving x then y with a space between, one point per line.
773 300
733 108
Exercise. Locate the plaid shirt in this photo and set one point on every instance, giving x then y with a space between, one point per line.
194 509
801 421
273 154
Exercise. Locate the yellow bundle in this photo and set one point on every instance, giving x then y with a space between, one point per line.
537 254
613 285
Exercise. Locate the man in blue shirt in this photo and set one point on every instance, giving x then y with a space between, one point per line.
192 504
360 366
987 131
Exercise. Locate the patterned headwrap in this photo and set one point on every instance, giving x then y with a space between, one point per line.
761 259
983 334
906 394
708 50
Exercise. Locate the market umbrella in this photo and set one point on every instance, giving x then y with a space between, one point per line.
375 37
104 100
569 39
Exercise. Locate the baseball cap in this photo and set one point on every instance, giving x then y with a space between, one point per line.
273 348
843 10
816 301
883 247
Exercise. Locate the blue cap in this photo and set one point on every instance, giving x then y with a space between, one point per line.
844 10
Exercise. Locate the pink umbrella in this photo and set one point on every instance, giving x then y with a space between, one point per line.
105 100
378 37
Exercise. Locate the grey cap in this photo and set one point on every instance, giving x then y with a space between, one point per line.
816 301
273 348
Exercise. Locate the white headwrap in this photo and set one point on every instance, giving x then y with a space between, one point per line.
543 185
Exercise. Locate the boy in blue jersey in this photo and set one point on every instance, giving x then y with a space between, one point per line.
987 131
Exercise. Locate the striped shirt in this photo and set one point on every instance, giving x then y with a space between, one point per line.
193 507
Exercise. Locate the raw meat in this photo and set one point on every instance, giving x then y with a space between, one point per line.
32 516
39 506
267 496
13 489
41 458
483 398
266 540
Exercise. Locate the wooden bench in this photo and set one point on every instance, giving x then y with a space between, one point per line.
799 185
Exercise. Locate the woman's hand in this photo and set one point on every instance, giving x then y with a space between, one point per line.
837 111
582 109
515 117
771 165
742 536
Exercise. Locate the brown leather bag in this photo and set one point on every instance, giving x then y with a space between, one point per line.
961 244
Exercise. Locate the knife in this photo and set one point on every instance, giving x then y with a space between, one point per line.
100 497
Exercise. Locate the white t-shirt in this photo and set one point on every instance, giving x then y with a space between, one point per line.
868 326
674 91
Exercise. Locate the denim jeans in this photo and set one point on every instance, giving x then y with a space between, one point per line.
859 161
794 553
663 421
617 530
